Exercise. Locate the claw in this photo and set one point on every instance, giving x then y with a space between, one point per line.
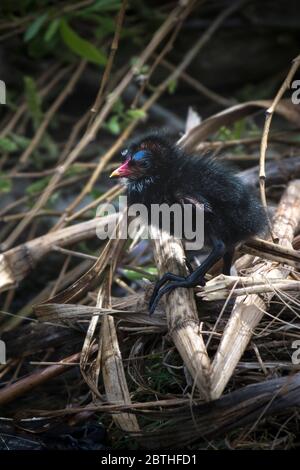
160 283
164 290
160 290
196 277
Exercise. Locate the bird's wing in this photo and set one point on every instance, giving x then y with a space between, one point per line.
197 202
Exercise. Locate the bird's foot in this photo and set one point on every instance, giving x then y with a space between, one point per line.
174 281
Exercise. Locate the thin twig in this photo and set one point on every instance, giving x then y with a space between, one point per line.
264 141
50 113
212 95
108 67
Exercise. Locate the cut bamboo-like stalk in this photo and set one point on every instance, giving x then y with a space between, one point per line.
24 385
249 310
220 287
16 263
109 354
114 376
271 251
181 311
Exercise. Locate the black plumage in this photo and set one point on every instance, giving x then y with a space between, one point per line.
158 171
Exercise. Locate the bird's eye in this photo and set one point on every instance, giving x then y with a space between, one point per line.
140 155
124 152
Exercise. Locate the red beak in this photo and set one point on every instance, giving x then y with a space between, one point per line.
122 171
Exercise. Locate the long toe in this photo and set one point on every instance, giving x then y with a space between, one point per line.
164 290
153 304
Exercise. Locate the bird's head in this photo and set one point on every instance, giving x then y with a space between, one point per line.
148 157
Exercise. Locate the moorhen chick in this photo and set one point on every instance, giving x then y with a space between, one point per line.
157 171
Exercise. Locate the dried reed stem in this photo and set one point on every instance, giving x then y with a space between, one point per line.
16 263
181 311
249 310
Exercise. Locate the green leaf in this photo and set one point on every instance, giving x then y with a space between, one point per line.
33 100
21 141
172 86
53 27
35 27
5 184
118 107
81 46
7 145
95 193
113 125
136 276
144 69
136 113
37 186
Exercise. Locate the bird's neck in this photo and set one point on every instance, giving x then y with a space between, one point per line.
145 190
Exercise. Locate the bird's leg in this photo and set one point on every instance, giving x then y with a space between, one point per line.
189 265
227 261
196 277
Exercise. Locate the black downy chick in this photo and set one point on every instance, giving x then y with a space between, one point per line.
158 171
